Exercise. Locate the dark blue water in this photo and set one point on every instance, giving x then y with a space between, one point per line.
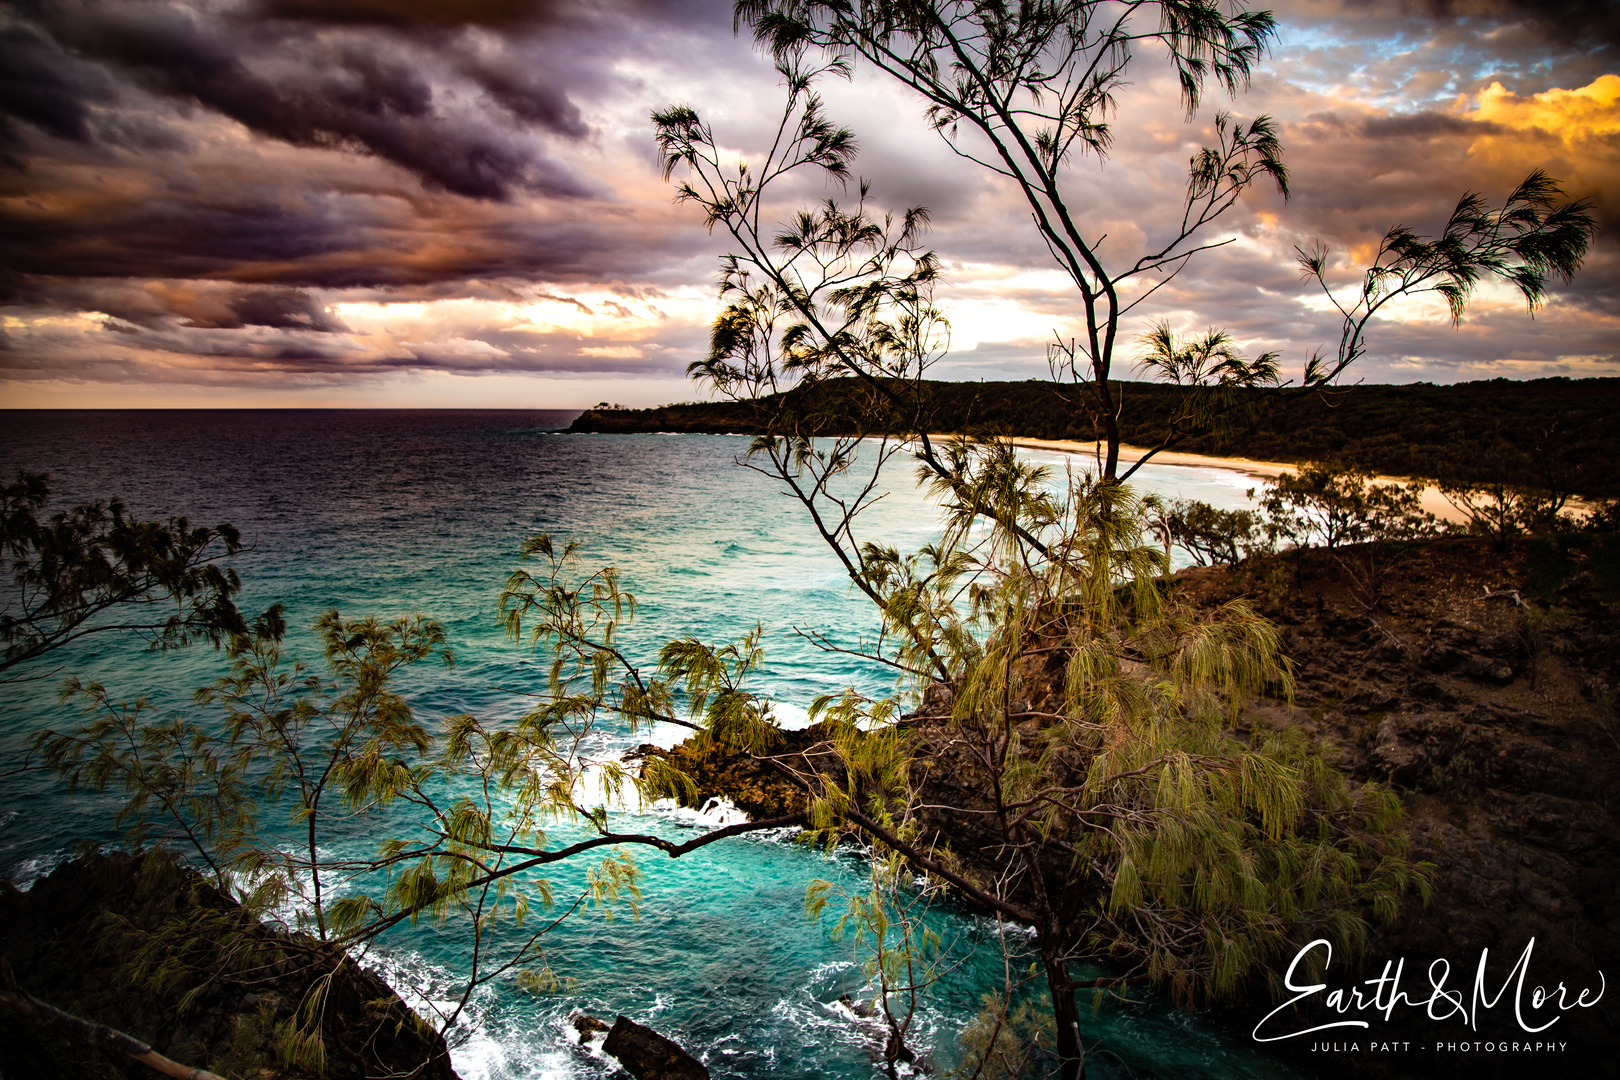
391 513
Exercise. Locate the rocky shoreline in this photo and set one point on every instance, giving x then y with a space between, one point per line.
150 948
1478 683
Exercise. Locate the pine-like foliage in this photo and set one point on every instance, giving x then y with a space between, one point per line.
93 569
1097 731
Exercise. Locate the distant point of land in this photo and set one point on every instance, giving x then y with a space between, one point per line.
1541 432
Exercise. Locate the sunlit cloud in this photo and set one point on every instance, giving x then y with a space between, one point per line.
1574 116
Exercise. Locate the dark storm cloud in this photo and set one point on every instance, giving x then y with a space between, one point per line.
1585 22
313 90
1356 179
466 111
1419 125
219 181
201 305
508 15
278 309
412 13
529 95
268 243
43 86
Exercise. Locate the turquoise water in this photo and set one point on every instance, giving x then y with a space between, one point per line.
398 512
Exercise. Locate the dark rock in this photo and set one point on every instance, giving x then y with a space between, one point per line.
1441 658
1403 763
1483 667
1372 698
586 1025
70 936
862 1009
938 700
647 1055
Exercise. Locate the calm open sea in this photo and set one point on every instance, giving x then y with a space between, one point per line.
394 512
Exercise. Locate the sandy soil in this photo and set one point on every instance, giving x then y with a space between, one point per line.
1433 501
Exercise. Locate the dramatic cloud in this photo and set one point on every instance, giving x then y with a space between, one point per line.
402 200
1561 21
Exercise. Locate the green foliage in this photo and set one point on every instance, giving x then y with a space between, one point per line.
1134 823
1508 487
543 980
175 772
1501 510
1340 504
93 569
1215 536
178 959
1405 430
1602 517
343 746
886 924
1005 1042
1532 238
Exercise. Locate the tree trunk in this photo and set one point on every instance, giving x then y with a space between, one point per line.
1071 1052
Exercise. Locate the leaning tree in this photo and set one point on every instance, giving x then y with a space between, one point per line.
1028 91
1119 816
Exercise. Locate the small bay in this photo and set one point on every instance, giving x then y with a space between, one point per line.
394 512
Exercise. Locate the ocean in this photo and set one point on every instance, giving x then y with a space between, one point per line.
397 512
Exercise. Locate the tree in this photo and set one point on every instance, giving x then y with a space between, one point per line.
1089 733
1211 370
1077 769
1340 504
1026 90
900 954
1504 489
463 806
1532 238
1213 536
93 570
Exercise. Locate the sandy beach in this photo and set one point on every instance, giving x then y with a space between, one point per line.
1433 501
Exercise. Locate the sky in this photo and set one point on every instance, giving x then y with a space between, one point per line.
424 203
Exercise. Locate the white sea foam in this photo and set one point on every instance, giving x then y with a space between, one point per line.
714 814
29 871
792 716
487 1056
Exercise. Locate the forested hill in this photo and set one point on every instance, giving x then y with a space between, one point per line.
1540 431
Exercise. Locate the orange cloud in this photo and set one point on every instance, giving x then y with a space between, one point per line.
1574 135
1577 117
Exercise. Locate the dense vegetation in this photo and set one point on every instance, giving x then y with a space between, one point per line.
1469 431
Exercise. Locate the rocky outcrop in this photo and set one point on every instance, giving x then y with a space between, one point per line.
752 786
152 949
647 1055
1479 688
1477 682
